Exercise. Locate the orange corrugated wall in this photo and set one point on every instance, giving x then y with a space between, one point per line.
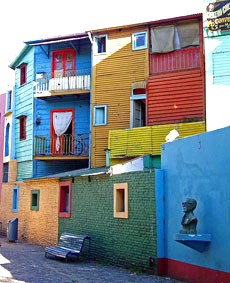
175 97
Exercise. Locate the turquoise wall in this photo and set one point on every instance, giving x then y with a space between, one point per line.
198 167
24 106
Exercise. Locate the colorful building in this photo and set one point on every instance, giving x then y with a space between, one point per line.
115 206
148 79
52 98
2 120
217 70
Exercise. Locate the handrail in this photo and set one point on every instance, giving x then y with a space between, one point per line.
63 81
70 145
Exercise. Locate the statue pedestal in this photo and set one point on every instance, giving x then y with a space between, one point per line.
198 242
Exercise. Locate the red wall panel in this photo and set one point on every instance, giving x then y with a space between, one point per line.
175 97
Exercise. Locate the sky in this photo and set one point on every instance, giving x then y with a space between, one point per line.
23 20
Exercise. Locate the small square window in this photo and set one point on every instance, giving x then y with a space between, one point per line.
22 126
64 199
15 199
120 209
100 115
34 203
100 43
23 74
139 40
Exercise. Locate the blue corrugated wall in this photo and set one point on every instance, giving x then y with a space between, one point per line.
24 106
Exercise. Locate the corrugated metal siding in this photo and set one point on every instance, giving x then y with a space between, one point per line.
221 67
113 74
24 106
175 97
182 59
147 140
24 170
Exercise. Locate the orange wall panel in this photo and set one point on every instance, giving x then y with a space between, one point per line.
175 97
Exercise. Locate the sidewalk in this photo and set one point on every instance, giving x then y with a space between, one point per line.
23 262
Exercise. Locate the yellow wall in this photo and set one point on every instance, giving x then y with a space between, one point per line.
147 140
113 74
39 227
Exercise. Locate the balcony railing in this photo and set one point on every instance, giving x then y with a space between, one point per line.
182 59
70 145
62 81
147 140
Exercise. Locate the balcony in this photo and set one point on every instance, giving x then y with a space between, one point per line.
147 140
59 82
71 147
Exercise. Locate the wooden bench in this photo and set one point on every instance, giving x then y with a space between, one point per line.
69 244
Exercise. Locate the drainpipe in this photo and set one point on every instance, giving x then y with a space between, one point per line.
90 110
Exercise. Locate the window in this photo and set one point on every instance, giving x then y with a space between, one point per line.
23 74
15 199
64 199
120 198
100 41
139 40
63 63
22 127
34 203
5 172
100 115
7 136
9 100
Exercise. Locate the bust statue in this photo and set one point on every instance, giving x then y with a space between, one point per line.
189 220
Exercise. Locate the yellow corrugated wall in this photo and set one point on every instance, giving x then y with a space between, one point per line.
113 74
148 140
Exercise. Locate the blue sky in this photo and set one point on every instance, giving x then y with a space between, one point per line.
22 20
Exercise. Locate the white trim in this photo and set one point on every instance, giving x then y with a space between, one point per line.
138 96
134 47
105 115
95 49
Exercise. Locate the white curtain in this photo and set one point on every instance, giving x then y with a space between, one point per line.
61 122
162 39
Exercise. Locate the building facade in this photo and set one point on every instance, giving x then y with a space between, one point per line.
217 50
52 98
148 79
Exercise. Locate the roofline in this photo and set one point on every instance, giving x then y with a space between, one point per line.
23 52
57 39
188 17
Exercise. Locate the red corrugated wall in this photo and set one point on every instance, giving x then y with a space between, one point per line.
175 90
175 97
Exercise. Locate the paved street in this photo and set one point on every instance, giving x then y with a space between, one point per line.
23 262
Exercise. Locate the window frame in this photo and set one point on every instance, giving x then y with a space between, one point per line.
34 207
116 187
5 177
22 128
15 201
105 114
23 78
62 213
96 37
134 36
63 52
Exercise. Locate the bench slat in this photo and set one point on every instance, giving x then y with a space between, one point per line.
68 244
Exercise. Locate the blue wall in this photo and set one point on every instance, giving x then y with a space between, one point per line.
82 57
80 103
198 167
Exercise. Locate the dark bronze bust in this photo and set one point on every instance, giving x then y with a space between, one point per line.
189 220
